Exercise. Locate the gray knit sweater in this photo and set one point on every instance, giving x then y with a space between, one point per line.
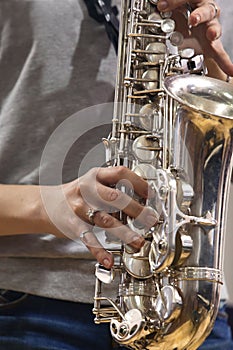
54 62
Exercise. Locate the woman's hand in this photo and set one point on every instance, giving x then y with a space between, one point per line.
74 208
203 12
202 31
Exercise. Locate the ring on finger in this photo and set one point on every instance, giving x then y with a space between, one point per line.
91 215
82 235
215 8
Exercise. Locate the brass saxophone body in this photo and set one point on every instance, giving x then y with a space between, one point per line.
175 129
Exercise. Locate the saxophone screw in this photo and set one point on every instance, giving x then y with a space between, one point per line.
163 192
123 331
162 246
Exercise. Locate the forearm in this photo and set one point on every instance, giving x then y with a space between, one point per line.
22 211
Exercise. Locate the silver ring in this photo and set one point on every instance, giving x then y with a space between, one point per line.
82 235
91 214
215 8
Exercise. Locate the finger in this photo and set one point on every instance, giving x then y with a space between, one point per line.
168 5
102 194
115 227
112 200
106 221
88 202
103 256
215 9
223 60
114 175
109 199
214 30
205 14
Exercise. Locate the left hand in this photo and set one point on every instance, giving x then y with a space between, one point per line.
205 31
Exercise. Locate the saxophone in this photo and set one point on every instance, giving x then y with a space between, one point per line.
173 126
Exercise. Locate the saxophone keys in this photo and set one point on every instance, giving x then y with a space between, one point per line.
168 25
151 79
156 51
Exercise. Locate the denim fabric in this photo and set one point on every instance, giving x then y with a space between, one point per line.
36 323
45 324
220 337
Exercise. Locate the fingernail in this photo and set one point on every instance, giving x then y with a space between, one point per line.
196 20
163 5
106 263
216 36
114 195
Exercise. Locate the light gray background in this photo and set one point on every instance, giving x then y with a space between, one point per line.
227 26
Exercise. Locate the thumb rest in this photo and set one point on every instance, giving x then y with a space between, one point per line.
174 129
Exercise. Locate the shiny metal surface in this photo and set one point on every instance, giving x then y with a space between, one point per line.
202 94
176 131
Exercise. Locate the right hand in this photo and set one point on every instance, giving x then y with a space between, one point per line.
205 29
97 189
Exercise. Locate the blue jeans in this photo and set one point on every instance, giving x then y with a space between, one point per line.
220 337
35 323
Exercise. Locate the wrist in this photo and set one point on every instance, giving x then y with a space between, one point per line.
22 211
43 212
